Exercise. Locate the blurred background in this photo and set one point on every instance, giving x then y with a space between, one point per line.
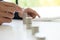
36 3
45 8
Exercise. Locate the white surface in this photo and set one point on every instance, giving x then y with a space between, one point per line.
50 30
16 31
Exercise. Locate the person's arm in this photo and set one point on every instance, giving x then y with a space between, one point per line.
15 15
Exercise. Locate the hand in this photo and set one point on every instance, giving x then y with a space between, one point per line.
32 13
7 11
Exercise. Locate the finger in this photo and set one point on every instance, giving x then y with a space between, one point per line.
7 9
34 16
31 14
32 11
18 9
7 4
5 20
5 14
20 14
37 15
12 5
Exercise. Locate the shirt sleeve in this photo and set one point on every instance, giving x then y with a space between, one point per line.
16 16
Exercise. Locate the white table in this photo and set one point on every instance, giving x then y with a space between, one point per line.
16 31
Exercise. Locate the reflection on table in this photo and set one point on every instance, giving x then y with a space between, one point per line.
16 31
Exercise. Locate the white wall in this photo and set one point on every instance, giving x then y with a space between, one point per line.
52 11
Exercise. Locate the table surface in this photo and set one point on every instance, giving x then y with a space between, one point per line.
16 30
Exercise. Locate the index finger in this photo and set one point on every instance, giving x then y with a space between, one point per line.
32 11
38 15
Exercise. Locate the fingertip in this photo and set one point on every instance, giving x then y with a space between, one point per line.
39 16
